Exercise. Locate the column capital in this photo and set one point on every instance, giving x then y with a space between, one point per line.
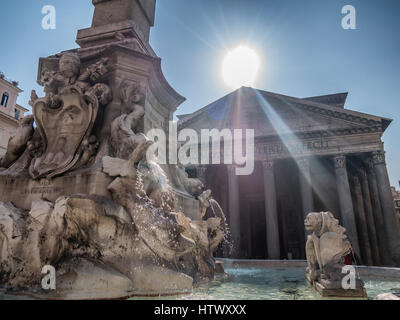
303 163
231 168
268 164
339 161
378 157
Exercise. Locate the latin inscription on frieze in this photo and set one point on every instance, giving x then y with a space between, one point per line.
299 147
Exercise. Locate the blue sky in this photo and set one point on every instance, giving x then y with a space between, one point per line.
303 47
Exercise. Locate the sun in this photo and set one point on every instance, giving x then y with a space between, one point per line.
240 67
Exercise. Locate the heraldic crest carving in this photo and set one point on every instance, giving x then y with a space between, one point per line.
66 115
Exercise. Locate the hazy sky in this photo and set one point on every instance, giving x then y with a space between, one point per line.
303 47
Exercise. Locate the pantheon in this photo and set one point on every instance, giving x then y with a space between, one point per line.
311 154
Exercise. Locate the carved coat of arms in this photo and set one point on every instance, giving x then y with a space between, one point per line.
66 115
63 131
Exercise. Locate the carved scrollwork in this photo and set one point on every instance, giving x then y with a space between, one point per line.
378 157
102 92
66 115
268 164
339 161
304 164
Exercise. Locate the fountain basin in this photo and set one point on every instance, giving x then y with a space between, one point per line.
274 280
284 280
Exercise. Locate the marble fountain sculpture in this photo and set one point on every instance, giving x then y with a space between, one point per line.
77 191
326 249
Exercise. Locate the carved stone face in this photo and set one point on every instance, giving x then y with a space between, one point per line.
69 65
312 221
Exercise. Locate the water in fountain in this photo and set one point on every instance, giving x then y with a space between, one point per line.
226 244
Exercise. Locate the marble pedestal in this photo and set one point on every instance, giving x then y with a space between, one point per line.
334 289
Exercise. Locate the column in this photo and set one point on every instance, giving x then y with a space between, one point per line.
305 186
362 222
346 203
373 240
378 216
271 212
389 215
234 210
307 201
248 231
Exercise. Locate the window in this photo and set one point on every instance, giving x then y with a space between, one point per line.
398 203
17 114
4 99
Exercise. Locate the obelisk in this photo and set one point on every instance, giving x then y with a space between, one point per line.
116 17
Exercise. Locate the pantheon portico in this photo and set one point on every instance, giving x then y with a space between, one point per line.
311 154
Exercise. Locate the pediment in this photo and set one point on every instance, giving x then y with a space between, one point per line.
272 114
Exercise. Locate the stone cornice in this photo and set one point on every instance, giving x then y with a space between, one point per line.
336 99
342 114
175 99
11 120
324 109
21 108
166 94
9 84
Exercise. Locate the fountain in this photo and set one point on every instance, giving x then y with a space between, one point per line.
79 194
77 189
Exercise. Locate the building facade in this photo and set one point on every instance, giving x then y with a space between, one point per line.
311 154
10 111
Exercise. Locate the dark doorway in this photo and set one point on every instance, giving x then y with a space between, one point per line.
290 216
